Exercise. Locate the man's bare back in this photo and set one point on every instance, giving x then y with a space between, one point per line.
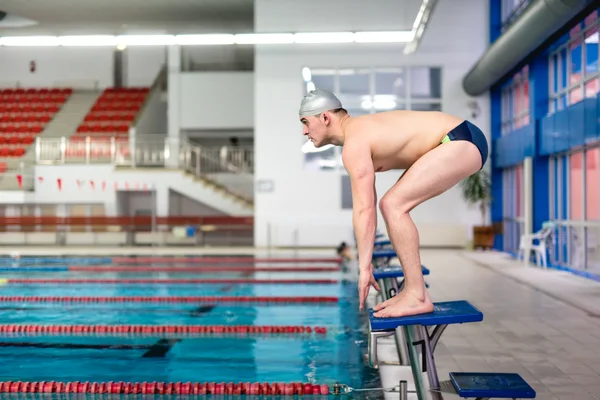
399 138
435 149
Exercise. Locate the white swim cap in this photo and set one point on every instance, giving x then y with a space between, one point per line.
317 101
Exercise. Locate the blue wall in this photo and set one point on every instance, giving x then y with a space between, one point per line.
570 128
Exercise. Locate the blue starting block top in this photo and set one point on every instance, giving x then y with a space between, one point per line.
491 385
444 313
383 254
384 242
394 272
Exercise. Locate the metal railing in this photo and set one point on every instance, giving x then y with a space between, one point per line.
145 151
576 244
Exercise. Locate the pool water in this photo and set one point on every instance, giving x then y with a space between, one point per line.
333 357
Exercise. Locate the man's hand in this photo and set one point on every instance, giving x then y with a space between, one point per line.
365 281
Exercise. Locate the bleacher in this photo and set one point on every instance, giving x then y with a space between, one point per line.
24 113
113 113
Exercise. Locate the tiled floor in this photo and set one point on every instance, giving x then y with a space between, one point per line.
527 328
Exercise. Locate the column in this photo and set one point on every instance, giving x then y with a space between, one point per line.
173 128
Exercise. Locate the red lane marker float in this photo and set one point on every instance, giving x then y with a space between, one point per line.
168 299
176 281
162 329
109 268
184 388
223 259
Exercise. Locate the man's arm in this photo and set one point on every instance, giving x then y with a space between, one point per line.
359 164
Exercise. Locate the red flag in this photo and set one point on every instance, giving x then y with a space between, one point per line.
20 181
79 183
116 185
59 183
103 185
92 185
41 179
145 187
127 185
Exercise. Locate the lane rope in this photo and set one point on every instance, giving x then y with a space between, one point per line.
135 260
168 299
172 281
163 329
99 268
185 388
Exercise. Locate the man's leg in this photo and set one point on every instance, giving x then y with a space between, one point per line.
434 173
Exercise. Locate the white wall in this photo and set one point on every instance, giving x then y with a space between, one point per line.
183 205
216 100
56 66
153 120
77 67
143 64
309 202
161 181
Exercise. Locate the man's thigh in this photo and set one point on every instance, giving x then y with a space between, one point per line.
434 173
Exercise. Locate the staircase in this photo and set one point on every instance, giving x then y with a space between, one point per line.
70 116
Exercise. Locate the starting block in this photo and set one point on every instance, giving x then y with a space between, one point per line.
394 272
416 334
491 385
382 258
444 313
382 243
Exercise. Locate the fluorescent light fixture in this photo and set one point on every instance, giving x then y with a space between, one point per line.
384 37
29 41
324 37
208 39
264 38
146 40
306 75
309 147
90 40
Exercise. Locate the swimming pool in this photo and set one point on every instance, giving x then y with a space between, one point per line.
333 356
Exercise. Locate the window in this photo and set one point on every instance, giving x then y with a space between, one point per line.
511 9
513 207
370 90
574 205
573 67
515 102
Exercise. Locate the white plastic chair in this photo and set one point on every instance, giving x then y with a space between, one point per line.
536 242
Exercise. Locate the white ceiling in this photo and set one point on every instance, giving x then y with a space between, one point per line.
77 17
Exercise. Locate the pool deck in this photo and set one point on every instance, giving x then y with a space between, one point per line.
541 323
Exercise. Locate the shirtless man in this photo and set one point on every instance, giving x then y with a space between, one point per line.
435 149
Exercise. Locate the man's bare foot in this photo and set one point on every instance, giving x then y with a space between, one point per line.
387 303
404 304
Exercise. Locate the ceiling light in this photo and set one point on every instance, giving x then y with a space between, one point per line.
264 38
384 37
146 40
29 41
208 39
325 37
306 75
90 40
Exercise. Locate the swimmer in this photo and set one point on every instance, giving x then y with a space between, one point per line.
436 150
